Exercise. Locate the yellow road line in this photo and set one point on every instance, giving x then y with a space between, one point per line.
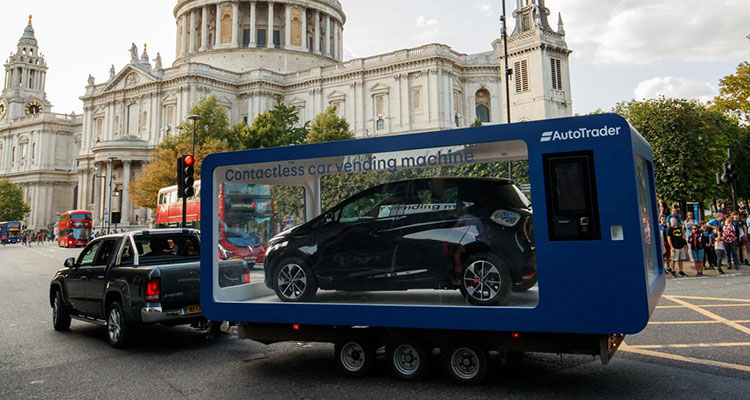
747 321
710 298
711 315
624 347
689 345
706 305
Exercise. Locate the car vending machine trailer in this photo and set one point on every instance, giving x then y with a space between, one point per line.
590 241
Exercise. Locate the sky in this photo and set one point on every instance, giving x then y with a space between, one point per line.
622 49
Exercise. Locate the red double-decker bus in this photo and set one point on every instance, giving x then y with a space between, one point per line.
74 229
245 212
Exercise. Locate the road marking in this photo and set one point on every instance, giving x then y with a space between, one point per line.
710 298
709 314
747 321
705 305
689 345
628 349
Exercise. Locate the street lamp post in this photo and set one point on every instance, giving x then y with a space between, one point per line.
508 73
110 164
195 119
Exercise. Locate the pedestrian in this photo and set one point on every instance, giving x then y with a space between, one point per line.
710 233
663 228
730 244
690 221
676 238
741 228
697 246
720 250
4 239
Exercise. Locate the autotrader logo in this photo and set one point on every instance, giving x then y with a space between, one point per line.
582 133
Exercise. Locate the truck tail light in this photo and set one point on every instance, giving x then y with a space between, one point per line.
153 290
246 277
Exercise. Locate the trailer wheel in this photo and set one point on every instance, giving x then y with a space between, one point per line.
466 363
485 280
355 357
408 359
294 281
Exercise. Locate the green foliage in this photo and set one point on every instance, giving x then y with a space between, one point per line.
277 127
329 127
734 93
688 141
213 125
477 123
12 206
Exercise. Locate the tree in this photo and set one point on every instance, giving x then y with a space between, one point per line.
329 127
688 141
734 93
12 206
477 123
213 135
277 127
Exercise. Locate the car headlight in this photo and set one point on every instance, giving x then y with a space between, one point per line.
505 218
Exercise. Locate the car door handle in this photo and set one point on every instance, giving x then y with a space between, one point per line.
376 233
100 277
84 277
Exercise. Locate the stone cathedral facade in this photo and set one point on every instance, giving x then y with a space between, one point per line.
249 54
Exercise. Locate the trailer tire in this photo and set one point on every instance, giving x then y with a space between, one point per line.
294 281
355 357
490 289
466 362
408 359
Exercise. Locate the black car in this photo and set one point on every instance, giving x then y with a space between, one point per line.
471 234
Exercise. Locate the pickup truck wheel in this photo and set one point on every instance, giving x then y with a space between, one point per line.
485 280
466 363
119 330
294 281
355 357
60 315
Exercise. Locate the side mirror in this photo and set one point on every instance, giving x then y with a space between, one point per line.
70 263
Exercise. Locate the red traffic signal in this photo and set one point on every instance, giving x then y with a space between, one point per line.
189 161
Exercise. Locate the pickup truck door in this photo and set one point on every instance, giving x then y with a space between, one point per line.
97 278
76 279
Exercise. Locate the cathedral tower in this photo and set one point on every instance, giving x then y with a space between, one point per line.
25 78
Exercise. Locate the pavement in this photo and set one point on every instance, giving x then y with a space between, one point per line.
697 346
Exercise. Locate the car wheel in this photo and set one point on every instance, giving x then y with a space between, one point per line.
525 285
355 357
60 315
294 281
119 330
408 359
485 280
466 363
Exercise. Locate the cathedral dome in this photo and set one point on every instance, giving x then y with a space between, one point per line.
235 35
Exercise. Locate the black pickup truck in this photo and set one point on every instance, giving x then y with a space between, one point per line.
142 277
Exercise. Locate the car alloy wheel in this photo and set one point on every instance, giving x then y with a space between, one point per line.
292 281
482 281
114 325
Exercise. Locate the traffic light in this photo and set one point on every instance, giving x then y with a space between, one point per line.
188 176
731 172
725 173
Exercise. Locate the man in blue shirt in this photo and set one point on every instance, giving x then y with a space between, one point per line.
718 221
674 216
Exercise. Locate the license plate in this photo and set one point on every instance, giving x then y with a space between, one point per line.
191 310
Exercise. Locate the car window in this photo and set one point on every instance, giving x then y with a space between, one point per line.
434 195
166 248
386 201
89 254
105 252
128 255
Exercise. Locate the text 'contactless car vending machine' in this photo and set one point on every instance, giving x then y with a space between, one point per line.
537 236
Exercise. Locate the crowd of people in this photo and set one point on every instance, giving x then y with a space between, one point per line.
30 237
704 243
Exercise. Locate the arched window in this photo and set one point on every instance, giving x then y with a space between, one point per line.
380 124
483 105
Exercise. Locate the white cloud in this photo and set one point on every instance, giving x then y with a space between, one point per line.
669 86
645 31
427 28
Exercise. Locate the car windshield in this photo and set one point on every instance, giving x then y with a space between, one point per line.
79 233
242 239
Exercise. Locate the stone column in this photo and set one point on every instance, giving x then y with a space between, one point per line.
217 39
204 29
316 41
184 40
193 31
235 24
328 36
287 26
335 40
304 29
269 30
253 26
97 192
126 192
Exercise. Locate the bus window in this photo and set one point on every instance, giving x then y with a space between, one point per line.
573 208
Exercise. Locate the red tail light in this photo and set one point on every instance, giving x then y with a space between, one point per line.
246 277
153 290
